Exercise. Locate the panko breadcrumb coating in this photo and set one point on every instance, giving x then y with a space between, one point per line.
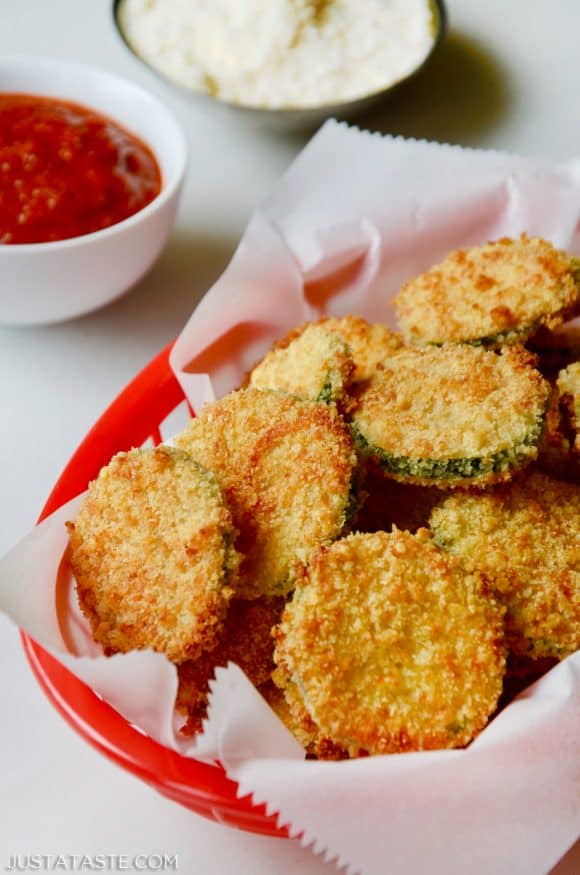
371 344
287 468
525 537
491 295
392 646
151 552
453 415
316 365
246 639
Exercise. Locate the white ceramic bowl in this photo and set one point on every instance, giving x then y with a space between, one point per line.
50 282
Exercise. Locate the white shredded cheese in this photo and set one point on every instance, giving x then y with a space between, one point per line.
281 53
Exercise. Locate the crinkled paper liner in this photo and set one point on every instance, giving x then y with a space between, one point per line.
354 216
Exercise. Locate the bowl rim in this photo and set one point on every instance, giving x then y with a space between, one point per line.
441 18
46 64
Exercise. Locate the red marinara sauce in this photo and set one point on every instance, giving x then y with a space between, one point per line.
66 170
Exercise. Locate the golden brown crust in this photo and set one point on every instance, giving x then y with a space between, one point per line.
525 537
151 554
453 415
315 365
391 646
246 639
370 343
286 468
499 293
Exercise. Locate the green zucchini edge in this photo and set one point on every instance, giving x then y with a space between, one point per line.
457 468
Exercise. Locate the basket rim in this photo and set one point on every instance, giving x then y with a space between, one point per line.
202 787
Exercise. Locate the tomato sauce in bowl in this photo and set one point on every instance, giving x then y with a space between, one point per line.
66 170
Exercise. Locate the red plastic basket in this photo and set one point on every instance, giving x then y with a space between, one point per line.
133 418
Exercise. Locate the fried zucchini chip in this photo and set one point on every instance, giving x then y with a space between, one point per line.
316 365
371 344
453 415
246 639
491 295
288 470
391 645
525 537
151 552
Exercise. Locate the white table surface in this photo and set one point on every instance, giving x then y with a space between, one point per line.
507 78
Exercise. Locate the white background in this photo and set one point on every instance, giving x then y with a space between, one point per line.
507 78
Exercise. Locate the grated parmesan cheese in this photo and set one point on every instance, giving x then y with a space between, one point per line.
281 53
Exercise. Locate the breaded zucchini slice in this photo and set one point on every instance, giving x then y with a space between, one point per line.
371 344
525 537
569 395
452 416
151 551
491 295
317 365
245 639
392 646
288 469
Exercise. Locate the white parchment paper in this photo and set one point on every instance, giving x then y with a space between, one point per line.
354 216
